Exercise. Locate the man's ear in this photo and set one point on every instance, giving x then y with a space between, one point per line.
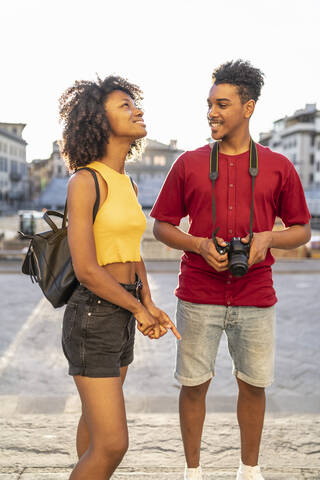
249 107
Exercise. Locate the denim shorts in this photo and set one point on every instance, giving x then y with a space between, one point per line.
97 335
251 341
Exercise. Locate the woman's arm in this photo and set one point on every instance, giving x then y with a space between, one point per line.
163 322
145 294
162 318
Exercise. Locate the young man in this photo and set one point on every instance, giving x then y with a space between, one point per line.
210 298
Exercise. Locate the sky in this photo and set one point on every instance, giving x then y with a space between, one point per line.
168 47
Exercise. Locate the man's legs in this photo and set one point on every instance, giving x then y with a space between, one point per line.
250 411
201 327
192 407
251 338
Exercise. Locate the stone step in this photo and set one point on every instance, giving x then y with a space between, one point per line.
165 473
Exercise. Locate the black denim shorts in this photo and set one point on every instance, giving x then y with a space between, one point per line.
97 335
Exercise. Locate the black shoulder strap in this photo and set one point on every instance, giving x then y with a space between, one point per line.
132 183
96 203
213 175
253 170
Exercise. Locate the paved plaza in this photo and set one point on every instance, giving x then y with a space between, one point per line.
39 405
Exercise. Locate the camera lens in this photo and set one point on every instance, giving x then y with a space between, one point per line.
238 257
238 264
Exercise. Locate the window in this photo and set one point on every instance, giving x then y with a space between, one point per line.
159 160
14 166
3 164
311 159
318 166
311 178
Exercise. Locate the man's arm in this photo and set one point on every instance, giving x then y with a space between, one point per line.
292 237
174 237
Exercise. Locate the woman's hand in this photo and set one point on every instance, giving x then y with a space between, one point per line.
145 321
163 322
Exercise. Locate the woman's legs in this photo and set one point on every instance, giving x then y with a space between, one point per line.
83 438
104 414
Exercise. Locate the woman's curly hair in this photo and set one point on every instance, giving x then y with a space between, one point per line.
86 128
243 75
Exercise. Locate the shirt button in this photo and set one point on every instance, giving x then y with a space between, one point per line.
230 208
228 302
99 301
89 314
228 282
230 231
230 276
231 185
231 164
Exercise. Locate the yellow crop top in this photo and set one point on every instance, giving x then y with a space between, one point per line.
120 221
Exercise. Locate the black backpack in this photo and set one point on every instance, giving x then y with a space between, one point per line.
48 260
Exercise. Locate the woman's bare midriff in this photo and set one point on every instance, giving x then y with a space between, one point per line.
122 272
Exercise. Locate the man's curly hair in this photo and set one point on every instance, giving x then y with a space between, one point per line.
243 75
86 128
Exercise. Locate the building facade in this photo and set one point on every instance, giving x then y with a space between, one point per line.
50 176
14 184
298 138
150 171
42 171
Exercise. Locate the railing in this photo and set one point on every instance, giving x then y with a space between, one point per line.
12 254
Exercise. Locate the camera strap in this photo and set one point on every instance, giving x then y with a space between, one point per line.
214 173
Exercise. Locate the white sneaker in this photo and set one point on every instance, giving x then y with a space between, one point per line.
245 472
192 473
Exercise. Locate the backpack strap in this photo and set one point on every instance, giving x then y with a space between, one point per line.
96 203
132 183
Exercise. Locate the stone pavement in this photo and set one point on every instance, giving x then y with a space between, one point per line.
39 410
42 447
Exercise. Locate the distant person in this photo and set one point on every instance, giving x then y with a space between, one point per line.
103 127
214 292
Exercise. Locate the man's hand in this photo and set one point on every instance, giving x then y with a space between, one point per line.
260 244
163 322
209 252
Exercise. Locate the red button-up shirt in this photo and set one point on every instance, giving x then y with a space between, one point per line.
188 191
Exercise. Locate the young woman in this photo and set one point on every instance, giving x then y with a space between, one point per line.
103 126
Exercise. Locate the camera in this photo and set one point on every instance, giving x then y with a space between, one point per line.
238 254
